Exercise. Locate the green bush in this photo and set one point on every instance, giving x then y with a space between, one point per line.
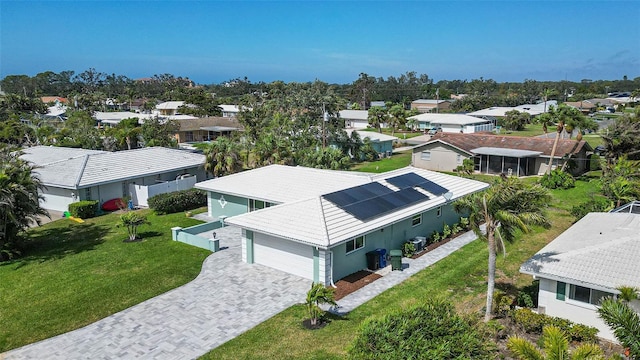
558 179
408 250
435 237
595 163
429 331
84 209
534 323
446 231
178 201
456 228
595 204
464 223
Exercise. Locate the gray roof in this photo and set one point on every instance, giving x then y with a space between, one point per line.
600 251
506 152
78 168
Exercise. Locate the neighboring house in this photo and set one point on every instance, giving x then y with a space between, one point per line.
205 129
495 154
501 111
355 119
430 105
57 112
584 106
381 104
71 175
587 262
453 123
229 110
54 100
382 143
169 108
320 224
113 118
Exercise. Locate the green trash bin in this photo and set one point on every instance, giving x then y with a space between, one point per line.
396 259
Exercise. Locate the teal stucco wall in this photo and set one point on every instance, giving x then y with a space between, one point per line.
233 205
390 237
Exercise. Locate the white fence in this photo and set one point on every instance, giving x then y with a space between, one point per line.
140 194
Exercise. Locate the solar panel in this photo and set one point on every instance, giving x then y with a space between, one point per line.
412 179
382 204
358 193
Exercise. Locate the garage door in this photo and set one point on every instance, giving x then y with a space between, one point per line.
56 199
287 256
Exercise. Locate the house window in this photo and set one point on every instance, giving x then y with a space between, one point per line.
188 136
586 295
439 211
459 159
87 194
416 220
425 155
256 205
355 244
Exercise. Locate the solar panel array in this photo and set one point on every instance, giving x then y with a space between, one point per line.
374 199
412 179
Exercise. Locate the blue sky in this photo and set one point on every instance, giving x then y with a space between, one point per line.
333 41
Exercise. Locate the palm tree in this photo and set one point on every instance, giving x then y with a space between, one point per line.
222 157
555 345
377 117
19 199
624 321
132 220
508 206
398 117
316 296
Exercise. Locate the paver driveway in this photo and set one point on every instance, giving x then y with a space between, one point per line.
226 299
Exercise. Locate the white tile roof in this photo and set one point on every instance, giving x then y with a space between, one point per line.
281 184
115 117
372 135
428 101
448 119
78 168
533 109
602 250
354 114
169 105
317 221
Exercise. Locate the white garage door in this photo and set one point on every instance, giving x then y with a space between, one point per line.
287 256
56 199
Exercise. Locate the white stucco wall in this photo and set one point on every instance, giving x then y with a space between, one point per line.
575 311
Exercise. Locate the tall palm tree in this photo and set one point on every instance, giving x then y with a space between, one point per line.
508 206
222 157
377 117
555 345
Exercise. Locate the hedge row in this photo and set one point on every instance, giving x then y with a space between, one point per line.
178 201
84 209
532 322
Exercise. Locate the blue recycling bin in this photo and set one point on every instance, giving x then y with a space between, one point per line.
382 253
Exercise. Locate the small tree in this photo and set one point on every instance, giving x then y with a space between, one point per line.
131 220
316 296
624 321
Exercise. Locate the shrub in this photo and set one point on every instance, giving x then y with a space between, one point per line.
523 299
464 223
409 249
84 209
502 303
432 330
435 237
558 179
446 231
456 228
595 163
595 204
534 323
178 201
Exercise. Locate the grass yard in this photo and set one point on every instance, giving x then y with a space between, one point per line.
396 161
529 131
459 277
75 274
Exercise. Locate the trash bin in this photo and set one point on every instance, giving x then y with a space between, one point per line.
396 259
418 242
373 260
382 253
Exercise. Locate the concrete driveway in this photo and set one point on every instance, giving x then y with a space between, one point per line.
228 298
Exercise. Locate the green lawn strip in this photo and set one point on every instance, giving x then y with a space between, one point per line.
529 131
75 274
396 161
593 139
460 277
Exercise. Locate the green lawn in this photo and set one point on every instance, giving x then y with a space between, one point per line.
74 274
399 134
460 277
396 161
529 131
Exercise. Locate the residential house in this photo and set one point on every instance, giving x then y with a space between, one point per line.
71 175
495 112
430 105
169 108
355 119
453 123
113 118
205 129
320 224
587 262
495 154
585 107
382 143
54 100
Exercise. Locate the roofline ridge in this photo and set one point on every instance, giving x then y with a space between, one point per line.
323 222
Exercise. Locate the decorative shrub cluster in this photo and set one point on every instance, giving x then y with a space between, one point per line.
532 322
178 201
595 204
84 209
462 225
558 179
430 331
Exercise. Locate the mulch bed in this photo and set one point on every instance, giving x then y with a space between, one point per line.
353 282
